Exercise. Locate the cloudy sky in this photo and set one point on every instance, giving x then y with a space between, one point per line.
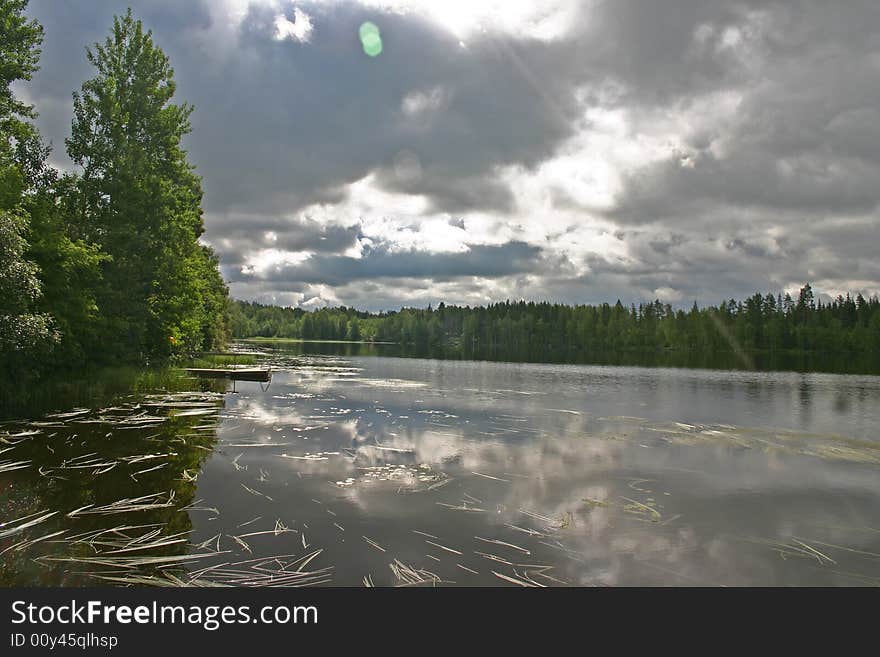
570 150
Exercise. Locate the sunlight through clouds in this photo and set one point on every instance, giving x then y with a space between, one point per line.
465 18
546 20
257 264
298 29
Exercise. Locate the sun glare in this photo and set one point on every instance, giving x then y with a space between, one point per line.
464 18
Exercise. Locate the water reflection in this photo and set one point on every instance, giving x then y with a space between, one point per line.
805 397
760 361
353 470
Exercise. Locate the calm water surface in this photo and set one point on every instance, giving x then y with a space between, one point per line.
349 470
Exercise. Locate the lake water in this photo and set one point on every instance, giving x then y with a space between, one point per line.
352 470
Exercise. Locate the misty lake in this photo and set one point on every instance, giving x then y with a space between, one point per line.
354 470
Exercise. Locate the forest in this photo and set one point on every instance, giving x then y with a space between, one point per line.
102 264
539 331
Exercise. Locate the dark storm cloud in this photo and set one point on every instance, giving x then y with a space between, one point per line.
803 136
248 234
379 263
70 27
295 119
772 107
277 123
788 183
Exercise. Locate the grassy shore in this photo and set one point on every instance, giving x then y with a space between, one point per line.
209 361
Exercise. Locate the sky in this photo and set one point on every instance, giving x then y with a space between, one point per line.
577 151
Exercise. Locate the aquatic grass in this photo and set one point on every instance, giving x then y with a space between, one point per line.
503 544
552 579
551 522
164 579
416 531
461 507
443 547
242 543
517 580
249 522
9 466
140 458
214 542
88 536
256 492
130 562
193 412
278 570
480 474
127 505
280 528
373 543
641 508
843 548
134 475
27 543
14 527
494 557
525 530
148 541
824 446
794 548
194 506
410 576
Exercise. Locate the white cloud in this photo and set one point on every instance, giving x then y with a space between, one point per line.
262 261
298 29
668 294
546 20
420 102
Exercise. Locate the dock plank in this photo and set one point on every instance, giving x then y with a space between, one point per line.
238 374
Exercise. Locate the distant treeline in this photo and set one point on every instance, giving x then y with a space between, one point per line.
535 331
102 264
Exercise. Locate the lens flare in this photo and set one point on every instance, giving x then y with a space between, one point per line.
371 40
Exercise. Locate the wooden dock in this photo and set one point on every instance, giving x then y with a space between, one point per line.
233 373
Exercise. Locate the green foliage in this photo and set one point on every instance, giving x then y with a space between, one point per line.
209 361
20 41
69 269
23 329
139 198
106 265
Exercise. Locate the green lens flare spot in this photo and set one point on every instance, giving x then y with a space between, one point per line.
368 28
370 39
372 45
